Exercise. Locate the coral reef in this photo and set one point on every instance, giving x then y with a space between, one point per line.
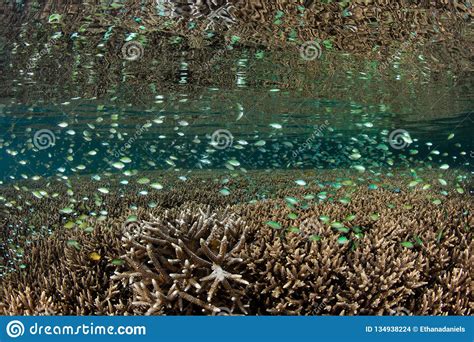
351 249
370 272
66 273
192 254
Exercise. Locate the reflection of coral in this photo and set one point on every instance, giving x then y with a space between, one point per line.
215 12
194 256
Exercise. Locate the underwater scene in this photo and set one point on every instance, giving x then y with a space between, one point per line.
236 157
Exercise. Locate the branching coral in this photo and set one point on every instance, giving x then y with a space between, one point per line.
61 278
368 271
399 250
194 255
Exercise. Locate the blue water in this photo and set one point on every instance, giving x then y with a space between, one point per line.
322 135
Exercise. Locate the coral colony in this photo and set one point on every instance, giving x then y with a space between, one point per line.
280 157
198 252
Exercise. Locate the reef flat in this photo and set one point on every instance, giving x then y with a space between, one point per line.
257 243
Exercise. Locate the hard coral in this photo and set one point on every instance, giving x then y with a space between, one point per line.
62 279
400 252
194 259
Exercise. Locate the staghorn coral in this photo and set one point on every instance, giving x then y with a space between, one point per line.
194 259
60 278
205 255
373 273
